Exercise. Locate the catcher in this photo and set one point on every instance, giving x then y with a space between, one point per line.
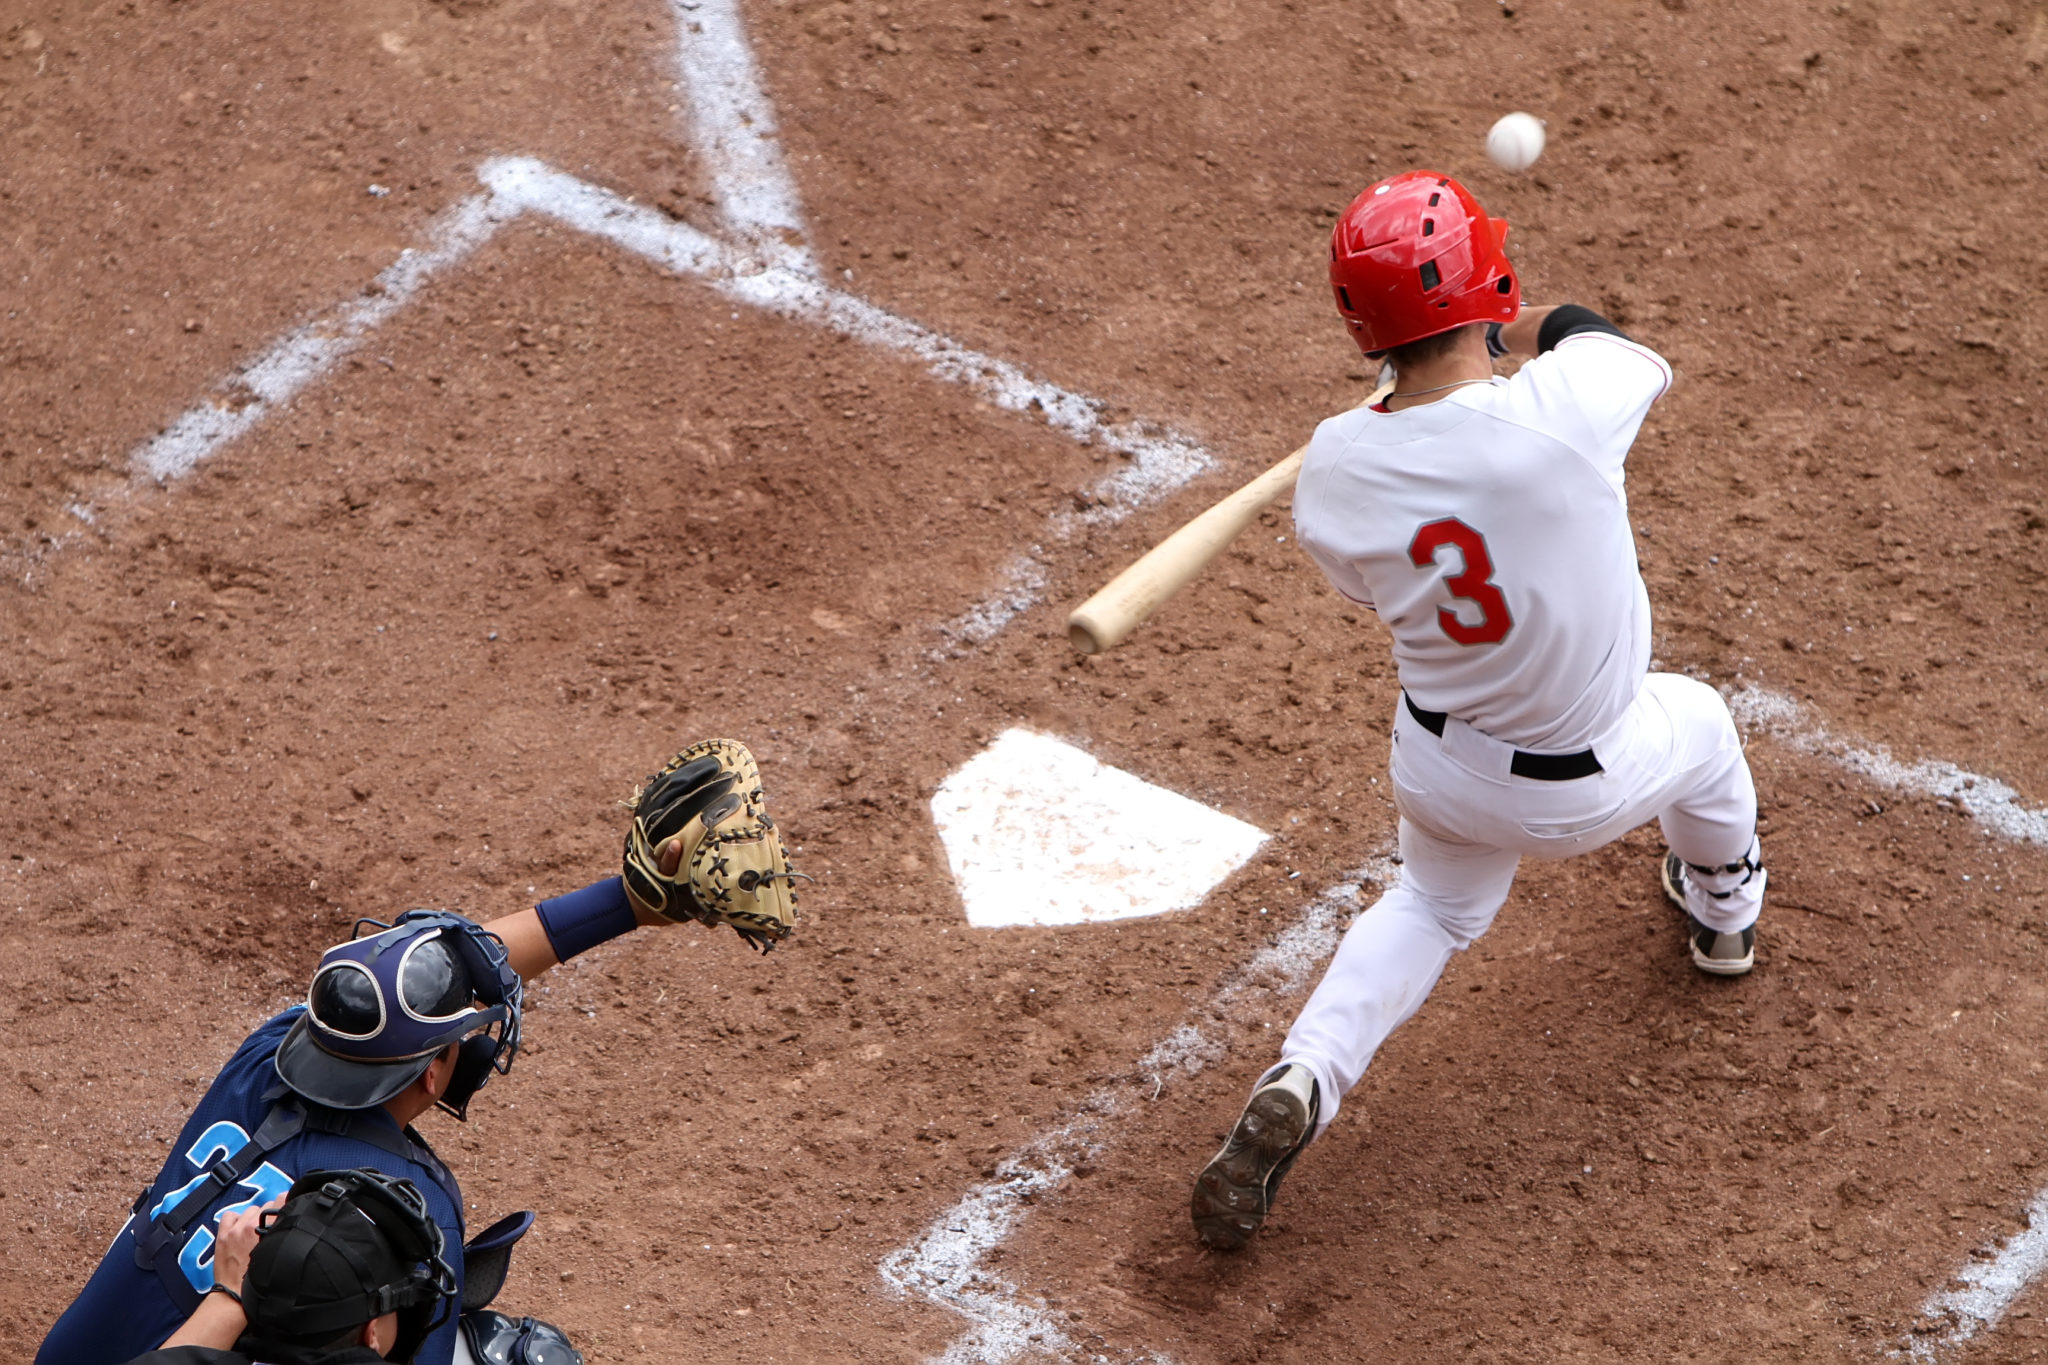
417 1015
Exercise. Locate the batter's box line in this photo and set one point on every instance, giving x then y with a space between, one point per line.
946 1263
1157 460
247 395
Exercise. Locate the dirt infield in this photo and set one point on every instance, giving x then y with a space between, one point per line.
408 641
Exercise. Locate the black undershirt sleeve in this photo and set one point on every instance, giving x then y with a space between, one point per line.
1570 319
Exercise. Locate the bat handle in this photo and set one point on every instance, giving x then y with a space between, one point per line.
1088 634
1104 620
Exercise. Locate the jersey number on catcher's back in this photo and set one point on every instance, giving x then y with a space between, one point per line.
1473 583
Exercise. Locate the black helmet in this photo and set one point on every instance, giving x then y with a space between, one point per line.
346 1248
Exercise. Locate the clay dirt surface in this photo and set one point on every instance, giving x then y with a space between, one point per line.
410 640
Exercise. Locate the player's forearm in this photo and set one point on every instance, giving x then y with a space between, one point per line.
1521 337
526 943
1536 330
218 1322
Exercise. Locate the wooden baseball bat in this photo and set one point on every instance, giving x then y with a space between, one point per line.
1125 601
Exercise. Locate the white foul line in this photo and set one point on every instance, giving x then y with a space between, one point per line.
1996 806
945 1263
1156 461
733 126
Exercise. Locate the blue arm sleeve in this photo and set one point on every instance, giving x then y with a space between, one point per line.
583 919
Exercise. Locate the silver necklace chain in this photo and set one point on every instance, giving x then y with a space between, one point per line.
1417 393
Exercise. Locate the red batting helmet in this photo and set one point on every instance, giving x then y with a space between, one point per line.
1415 255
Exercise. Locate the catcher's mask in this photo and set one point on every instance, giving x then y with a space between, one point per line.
500 1340
346 1248
381 1008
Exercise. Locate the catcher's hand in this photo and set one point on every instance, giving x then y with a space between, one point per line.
702 848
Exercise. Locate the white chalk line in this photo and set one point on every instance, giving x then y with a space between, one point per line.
1156 461
733 128
247 395
1996 807
310 350
945 1263
1988 1289
1989 1286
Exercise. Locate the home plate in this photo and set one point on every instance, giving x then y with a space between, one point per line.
1039 832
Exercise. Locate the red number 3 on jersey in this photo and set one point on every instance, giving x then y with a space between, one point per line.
1473 583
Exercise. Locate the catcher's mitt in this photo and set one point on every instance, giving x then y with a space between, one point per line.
732 868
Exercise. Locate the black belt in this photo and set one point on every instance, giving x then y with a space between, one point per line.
1541 767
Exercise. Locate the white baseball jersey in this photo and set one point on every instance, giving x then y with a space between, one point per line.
1490 531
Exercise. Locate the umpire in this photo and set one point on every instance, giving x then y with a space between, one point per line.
351 1271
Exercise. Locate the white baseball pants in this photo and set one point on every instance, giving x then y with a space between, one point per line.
1465 824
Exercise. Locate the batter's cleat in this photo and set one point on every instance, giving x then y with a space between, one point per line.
1235 1191
1713 952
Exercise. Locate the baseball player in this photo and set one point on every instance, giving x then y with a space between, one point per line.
350 1270
420 1014
1486 521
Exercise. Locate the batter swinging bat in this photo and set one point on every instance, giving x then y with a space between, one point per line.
1105 619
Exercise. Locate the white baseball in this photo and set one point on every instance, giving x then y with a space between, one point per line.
1515 142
